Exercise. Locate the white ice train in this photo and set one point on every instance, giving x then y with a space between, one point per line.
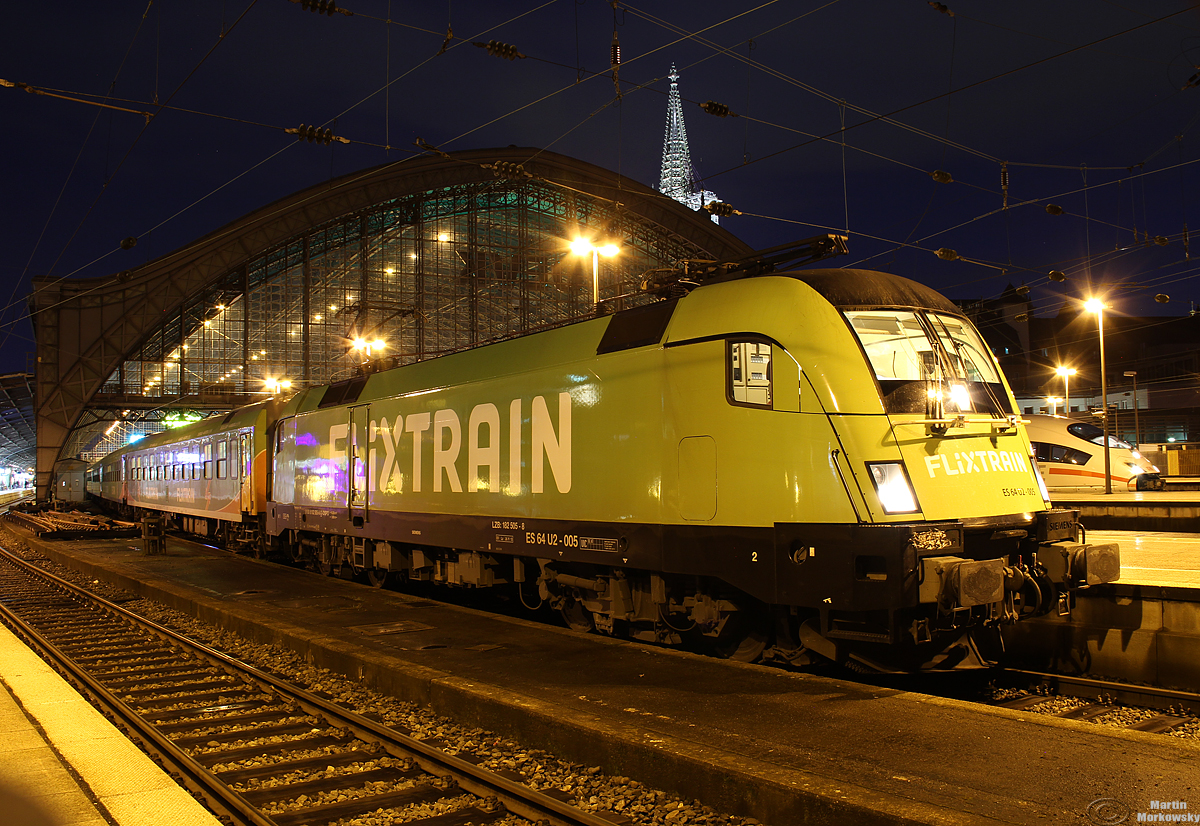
1070 454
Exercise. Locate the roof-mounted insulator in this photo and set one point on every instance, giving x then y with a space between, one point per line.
720 110
498 49
720 209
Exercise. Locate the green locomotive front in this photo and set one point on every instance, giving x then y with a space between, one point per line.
823 462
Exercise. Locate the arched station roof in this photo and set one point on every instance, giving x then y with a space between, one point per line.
426 256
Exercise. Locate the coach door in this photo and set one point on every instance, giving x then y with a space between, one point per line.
243 463
358 449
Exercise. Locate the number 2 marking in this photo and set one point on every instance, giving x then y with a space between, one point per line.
754 556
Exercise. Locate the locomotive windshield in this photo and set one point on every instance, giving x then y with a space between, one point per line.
917 355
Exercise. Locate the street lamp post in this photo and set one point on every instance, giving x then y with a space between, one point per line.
1137 429
1066 373
582 246
1095 305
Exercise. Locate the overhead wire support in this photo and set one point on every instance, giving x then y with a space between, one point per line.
719 110
507 169
315 134
499 49
326 7
33 90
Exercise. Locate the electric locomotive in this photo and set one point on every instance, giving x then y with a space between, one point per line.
817 464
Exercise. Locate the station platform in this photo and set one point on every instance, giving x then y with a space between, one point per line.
1150 510
63 764
818 750
1165 560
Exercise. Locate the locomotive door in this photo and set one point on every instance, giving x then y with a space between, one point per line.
244 462
357 454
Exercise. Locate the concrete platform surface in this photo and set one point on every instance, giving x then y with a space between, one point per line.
1064 497
819 750
63 764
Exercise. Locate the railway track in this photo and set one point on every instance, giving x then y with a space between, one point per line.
1134 707
256 748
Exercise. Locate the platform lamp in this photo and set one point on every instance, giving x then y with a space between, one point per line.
1066 373
1095 305
582 246
1137 430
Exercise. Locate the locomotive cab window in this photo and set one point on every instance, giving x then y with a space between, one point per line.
749 373
920 355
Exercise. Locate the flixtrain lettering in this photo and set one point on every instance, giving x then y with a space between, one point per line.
488 449
977 461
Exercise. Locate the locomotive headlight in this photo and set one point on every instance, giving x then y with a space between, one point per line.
893 488
960 397
1134 469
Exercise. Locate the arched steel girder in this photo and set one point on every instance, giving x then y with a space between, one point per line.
85 329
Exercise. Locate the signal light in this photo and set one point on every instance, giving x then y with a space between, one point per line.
498 49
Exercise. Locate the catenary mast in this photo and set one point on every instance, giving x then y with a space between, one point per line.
678 178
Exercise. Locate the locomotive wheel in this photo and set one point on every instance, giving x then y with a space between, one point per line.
377 577
743 637
577 617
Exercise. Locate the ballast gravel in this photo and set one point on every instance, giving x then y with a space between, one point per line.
591 789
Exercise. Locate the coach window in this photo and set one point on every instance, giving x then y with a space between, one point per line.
235 466
749 373
208 469
222 458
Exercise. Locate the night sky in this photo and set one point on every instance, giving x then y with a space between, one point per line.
1088 102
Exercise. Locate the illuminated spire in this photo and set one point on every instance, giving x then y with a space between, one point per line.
678 177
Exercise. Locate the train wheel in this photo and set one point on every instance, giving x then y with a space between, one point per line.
577 617
377 577
743 637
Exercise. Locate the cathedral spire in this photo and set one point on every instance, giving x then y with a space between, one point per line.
678 178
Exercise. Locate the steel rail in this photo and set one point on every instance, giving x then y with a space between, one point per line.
189 773
515 796
1111 691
